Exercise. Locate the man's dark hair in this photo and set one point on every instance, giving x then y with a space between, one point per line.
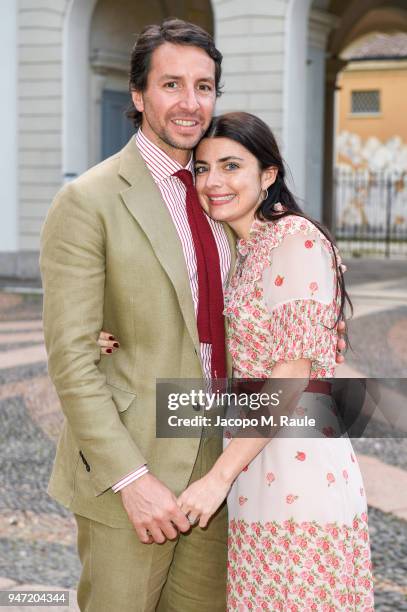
174 31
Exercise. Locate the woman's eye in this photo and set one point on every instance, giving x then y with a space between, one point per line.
231 166
200 169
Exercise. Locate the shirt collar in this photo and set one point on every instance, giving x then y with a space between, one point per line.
160 165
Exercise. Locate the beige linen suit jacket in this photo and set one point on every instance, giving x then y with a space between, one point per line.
111 259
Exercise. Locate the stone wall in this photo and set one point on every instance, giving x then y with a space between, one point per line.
250 35
40 44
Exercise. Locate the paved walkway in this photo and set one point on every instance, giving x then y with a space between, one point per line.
36 539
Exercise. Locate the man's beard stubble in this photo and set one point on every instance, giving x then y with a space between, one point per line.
166 138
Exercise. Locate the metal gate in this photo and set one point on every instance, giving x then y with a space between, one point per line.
371 212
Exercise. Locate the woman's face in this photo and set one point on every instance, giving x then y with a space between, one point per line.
229 181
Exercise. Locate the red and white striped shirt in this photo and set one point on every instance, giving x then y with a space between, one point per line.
173 192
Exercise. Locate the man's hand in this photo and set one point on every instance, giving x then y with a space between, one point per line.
152 508
341 346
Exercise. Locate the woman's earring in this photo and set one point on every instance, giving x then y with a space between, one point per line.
266 196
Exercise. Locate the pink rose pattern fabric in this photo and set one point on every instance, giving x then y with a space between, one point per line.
294 277
298 535
299 567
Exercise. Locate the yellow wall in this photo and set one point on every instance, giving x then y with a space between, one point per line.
392 83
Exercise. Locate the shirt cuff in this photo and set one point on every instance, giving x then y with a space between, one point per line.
143 469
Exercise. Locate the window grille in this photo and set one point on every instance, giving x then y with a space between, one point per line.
364 102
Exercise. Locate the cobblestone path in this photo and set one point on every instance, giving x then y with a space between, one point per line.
37 536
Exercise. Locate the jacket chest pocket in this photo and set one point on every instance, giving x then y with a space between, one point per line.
122 398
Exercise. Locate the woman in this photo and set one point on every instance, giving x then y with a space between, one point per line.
298 537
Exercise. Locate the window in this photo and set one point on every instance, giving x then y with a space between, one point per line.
365 102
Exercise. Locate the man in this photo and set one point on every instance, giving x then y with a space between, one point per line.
118 253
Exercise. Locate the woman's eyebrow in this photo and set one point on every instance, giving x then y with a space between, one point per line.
222 159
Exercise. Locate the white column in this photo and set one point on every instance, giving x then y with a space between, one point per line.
314 132
295 91
8 126
76 88
320 25
250 35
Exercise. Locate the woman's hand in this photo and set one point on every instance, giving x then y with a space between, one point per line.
108 343
203 497
341 344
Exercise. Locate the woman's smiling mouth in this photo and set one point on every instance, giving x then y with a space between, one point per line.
217 200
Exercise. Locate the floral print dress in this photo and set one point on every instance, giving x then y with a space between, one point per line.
298 535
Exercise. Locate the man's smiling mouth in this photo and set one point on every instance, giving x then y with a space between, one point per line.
185 122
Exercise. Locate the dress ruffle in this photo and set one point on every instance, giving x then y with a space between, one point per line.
304 329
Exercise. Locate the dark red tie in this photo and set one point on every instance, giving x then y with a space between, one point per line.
210 321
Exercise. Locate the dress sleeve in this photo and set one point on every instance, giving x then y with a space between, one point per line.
299 288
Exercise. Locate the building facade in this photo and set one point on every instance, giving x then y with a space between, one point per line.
65 63
372 91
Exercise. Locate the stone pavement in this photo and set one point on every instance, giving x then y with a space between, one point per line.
378 329
37 536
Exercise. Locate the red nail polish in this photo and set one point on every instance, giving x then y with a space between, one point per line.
116 344
112 338
109 350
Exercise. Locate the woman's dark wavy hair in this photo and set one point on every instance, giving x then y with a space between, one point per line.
256 136
177 32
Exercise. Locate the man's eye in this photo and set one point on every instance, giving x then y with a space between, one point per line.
205 87
171 85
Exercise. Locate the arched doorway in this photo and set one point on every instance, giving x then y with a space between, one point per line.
98 38
356 19
316 34
308 24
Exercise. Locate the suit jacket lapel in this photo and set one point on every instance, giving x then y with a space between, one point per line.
144 201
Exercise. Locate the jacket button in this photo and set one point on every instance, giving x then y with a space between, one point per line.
87 467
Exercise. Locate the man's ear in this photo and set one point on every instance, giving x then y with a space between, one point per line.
269 176
137 97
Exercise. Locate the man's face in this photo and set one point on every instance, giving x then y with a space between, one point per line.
179 99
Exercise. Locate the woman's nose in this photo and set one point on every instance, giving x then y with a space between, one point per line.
213 179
